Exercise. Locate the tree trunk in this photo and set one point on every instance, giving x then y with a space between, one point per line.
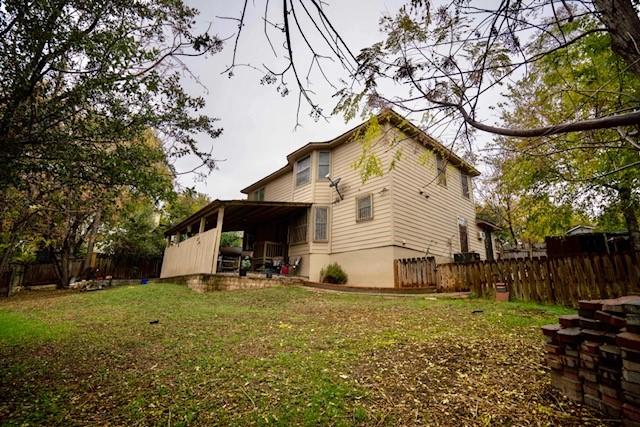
91 240
621 19
629 208
4 264
61 265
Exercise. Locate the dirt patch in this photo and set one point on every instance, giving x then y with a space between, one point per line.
475 381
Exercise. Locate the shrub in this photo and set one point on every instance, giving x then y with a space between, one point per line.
333 273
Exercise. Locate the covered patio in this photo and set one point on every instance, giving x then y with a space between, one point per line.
193 245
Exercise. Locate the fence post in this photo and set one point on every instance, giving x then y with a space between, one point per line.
396 282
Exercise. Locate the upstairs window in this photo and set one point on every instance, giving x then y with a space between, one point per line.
298 229
441 170
364 208
464 180
321 224
259 194
324 164
303 171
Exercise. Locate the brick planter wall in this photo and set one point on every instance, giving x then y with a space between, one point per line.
220 282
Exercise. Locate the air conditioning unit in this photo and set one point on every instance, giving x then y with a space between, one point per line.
465 257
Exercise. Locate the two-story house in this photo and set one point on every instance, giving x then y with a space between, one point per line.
317 209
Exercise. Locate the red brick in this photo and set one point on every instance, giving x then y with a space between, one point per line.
588 375
593 336
631 366
594 304
570 374
590 314
550 330
628 340
553 361
570 321
630 387
609 375
586 323
616 305
632 355
610 319
553 349
631 412
632 398
613 392
631 376
632 307
611 410
590 347
570 362
569 335
611 400
590 388
593 402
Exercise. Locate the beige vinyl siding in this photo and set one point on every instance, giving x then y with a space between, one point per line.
429 225
280 189
346 233
191 256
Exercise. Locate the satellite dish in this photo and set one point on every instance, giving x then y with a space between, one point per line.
334 184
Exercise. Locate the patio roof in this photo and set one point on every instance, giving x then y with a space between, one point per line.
241 214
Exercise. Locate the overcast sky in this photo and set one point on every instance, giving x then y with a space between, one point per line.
259 123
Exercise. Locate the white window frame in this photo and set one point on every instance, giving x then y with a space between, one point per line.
315 224
323 176
300 170
358 199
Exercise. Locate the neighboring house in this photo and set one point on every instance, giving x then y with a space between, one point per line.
421 205
580 229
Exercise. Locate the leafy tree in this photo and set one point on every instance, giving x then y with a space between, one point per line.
82 81
181 205
231 239
134 230
91 106
592 171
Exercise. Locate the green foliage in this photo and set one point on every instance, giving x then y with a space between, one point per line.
556 182
134 230
181 205
333 273
231 239
83 81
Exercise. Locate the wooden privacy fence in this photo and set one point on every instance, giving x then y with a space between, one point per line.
118 268
415 272
548 280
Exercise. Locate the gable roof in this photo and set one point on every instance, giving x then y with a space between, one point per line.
386 115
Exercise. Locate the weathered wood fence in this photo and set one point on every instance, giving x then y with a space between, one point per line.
415 272
547 280
118 268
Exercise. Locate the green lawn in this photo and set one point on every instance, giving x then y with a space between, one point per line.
277 356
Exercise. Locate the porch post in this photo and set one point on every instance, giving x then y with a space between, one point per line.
202 221
216 246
